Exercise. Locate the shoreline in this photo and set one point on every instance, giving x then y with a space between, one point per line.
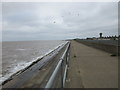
32 63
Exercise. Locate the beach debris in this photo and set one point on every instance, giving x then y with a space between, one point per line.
44 69
68 80
113 55
79 71
75 56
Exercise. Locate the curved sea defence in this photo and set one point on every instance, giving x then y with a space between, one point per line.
49 54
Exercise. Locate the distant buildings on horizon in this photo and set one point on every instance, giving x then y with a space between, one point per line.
104 37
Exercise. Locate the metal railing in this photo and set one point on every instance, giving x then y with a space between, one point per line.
62 66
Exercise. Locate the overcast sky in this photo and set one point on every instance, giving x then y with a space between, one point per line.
58 21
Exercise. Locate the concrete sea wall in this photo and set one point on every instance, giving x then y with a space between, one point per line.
111 46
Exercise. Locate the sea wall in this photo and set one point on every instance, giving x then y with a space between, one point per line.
111 46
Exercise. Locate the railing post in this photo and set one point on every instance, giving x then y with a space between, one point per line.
69 53
64 59
62 75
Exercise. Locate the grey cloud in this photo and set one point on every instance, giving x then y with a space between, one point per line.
58 20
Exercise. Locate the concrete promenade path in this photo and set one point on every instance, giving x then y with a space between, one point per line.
91 68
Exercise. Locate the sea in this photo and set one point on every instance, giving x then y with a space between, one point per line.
16 55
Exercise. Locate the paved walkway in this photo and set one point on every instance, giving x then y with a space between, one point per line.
91 68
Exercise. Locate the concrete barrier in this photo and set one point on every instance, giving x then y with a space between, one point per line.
110 46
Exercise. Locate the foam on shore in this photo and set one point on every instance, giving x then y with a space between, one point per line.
23 65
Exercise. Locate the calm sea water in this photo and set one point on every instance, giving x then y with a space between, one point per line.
17 55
